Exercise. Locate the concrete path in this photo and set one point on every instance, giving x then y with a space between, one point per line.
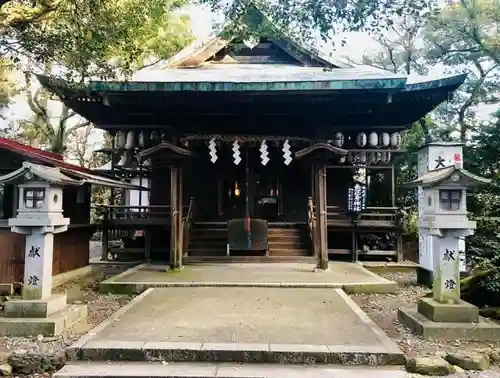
209 370
231 324
242 315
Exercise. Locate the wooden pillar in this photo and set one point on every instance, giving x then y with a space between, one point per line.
393 187
315 234
148 234
180 223
399 247
174 212
104 236
399 236
321 221
354 246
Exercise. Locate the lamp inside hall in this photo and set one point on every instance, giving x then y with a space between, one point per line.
236 189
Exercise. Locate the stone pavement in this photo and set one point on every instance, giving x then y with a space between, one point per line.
239 320
208 370
231 324
242 315
350 277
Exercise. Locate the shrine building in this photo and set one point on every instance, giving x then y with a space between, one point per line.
264 149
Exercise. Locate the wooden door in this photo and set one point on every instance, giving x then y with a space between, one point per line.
269 193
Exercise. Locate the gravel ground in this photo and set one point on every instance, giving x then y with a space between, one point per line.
100 307
492 373
382 308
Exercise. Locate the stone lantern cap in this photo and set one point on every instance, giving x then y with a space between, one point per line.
452 175
32 172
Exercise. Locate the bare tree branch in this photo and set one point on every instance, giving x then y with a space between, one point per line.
464 126
29 14
78 126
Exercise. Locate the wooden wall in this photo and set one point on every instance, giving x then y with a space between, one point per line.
76 204
71 251
11 255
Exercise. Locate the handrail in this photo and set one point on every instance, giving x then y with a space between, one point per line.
371 213
135 206
126 212
187 225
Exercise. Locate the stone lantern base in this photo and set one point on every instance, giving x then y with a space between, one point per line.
441 321
41 317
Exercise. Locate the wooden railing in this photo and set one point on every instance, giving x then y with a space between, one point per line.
371 216
187 225
137 212
124 222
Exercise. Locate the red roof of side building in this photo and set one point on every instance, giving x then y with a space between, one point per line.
52 159
38 155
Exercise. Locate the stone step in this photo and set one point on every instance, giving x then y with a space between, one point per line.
294 354
225 370
249 259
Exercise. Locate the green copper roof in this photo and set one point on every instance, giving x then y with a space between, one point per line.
254 77
259 78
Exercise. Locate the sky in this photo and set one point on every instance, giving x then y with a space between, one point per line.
202 21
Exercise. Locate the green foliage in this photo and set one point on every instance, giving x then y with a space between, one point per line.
401 51
7 87
313 17
464 37
92 37
483 248
82 33
100 195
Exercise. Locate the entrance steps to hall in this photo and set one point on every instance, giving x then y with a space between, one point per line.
287 243
226 370
249 259
288 240
208 239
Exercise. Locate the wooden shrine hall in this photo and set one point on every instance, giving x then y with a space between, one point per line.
254 148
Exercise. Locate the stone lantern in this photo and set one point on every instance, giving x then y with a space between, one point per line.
39 217
443 222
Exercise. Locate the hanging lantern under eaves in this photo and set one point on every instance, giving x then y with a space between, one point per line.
120 139
385 139
361 139
373 139
338 140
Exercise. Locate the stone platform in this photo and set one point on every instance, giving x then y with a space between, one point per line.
52 325
240 324
47 317
352 278
483 330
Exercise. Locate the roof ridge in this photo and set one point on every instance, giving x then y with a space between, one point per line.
198 46
37 154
